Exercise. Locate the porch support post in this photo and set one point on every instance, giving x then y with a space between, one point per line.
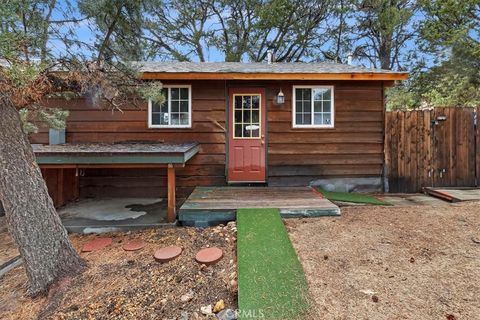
60 188
76 186
171 214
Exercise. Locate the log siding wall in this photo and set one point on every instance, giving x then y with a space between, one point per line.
353 148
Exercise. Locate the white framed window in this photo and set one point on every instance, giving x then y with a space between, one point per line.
175 112
313 107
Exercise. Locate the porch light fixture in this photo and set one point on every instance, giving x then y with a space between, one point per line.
280 97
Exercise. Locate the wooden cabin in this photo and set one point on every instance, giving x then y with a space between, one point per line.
279 124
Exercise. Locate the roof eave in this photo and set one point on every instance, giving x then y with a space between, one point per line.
378 76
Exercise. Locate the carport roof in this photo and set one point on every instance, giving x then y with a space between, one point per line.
115 153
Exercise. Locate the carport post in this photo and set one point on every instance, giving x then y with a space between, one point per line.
171 214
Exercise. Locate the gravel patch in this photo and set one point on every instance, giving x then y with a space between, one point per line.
418 262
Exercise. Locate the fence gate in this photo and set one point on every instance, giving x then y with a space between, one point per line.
434 148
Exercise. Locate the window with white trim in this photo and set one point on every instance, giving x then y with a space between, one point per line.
175 112
313 107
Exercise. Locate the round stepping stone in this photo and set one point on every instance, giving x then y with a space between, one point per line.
134 245
209 256
97 244
168 253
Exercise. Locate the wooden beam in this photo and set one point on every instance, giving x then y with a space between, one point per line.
439 194
171 213
71 158
109 166
60 195
272 76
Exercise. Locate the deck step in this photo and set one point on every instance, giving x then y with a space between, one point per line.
209 206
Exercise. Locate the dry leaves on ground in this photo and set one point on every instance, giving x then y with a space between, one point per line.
132 285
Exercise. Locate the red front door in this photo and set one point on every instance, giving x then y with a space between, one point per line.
246 137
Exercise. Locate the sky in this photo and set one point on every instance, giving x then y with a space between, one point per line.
84 31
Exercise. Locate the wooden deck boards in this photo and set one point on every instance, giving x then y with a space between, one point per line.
210 205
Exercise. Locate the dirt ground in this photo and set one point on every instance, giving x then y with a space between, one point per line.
418 262
132 285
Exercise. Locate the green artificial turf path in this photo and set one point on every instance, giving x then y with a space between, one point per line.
352 197
271 282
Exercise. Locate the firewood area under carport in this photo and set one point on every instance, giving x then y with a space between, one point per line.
67 159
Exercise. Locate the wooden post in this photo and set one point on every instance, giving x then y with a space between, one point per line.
60 186
171 214
76 187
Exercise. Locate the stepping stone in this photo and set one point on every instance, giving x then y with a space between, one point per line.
97 244
134 245
168 253
209 256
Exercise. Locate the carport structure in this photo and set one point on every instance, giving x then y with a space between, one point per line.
68 159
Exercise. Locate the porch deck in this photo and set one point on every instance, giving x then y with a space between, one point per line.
213 205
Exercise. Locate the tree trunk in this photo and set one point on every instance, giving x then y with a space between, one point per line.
385 51
31 216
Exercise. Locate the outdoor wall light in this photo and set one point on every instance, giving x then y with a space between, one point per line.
280 97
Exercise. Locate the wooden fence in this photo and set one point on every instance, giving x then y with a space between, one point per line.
432 148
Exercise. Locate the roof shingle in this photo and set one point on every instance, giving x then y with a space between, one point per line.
253 67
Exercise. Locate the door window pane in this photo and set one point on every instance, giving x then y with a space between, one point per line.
238 115
255 116
247 103
256 102
238 102
247 116
254 129
238 130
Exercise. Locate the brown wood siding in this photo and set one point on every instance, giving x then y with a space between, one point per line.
353 148
88 123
